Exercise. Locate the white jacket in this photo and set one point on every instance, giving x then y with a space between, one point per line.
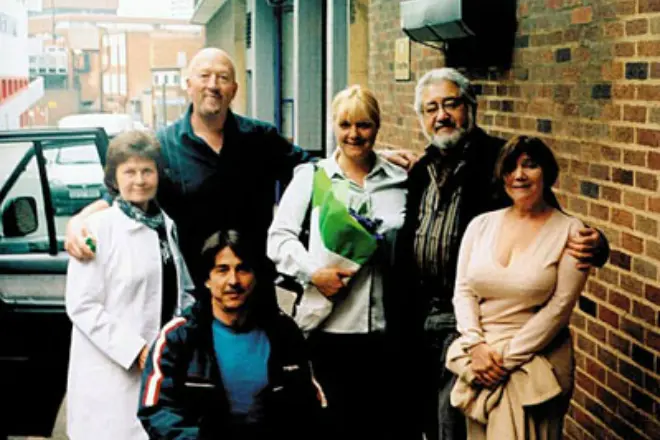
114 302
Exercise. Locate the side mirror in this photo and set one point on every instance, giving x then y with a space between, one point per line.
19 218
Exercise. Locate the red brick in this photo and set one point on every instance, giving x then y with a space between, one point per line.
597 289
585 382
612 71
623 176
598 211
612 154
622 217
648 48
644 312
621 344
646 180
648 93
653 249
646 225
648 137
610 194
625 135
620 301
645 268
596 370
623 91
653 339
654 204
634 200
618 384
579 168
637 158
624 49
633 329
655 70
637 27
632 285
608 316
634 113
597 331
652 293
579 206
586 345
654 160
607 358
649 6
632 243
581 15
598 171
610 112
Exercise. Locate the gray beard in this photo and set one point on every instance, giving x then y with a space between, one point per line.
447 142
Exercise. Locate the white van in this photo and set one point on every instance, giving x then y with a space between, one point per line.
113 123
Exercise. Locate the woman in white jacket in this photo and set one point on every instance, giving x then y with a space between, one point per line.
118 301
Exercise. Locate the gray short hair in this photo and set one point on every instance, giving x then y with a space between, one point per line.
436 76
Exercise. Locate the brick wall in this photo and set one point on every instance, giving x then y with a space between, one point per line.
586 79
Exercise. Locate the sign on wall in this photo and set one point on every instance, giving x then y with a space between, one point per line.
402 59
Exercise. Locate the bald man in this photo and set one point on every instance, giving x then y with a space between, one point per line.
220 167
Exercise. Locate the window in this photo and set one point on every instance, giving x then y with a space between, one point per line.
75 178
114 52
106 83
122 84
27 185
121 41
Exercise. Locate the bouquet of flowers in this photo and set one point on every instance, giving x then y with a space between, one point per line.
338 237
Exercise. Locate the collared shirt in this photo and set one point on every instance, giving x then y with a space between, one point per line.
382 196
438 215
204 191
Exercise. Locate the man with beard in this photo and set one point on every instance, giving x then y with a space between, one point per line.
450 185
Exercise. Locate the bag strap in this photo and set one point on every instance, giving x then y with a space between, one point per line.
304 228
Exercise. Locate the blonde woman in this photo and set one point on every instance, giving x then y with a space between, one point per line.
353 349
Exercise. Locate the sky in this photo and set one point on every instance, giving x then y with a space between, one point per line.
144 8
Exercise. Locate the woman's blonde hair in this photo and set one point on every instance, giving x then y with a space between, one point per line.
356 102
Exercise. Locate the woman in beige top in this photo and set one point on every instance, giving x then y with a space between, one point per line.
515 290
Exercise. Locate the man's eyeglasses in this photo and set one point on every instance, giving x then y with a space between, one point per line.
449 105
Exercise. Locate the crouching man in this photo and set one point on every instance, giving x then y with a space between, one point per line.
233 366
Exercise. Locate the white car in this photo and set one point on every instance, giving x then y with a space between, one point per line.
75 173
112 123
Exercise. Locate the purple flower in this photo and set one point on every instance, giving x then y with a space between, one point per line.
371 225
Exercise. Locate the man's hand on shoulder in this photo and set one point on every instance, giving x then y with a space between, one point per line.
404 158
583 246
78 242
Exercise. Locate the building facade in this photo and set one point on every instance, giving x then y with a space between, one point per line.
584 76
18 94
103 62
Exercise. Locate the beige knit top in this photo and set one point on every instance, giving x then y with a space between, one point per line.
530 300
